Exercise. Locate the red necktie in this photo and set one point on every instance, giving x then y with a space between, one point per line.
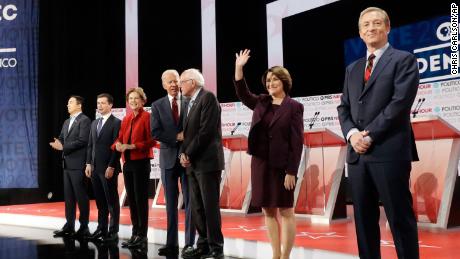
175 110
370 64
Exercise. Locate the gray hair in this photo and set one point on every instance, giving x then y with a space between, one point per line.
169 71
196 75
386 18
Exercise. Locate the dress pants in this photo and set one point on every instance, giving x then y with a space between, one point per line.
204 191
107 200
136 174
170 178
75 192
388 181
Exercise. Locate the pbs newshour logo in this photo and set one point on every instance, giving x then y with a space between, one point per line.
8 12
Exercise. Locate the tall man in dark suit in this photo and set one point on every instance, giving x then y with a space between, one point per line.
374 114
103 166
202 154
166 125
73 141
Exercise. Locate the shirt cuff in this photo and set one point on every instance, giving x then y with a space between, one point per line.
351 132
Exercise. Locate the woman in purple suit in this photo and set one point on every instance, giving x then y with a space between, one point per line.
275 143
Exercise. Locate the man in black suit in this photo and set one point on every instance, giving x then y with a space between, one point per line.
203 156
73 141
166 125
374 114
103 166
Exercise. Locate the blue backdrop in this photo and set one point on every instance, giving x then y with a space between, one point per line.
18 93
429 40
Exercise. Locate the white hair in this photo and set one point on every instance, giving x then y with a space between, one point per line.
169 71
196 75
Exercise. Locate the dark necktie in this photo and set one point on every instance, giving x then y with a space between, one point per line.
370 64
99 126
175 110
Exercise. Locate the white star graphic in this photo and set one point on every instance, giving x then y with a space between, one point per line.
313 235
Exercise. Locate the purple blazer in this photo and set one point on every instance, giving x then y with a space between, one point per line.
285 131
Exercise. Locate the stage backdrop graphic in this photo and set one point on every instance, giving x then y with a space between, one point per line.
428 40
18 93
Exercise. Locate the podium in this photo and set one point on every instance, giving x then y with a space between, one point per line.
434 186
235 187
318 194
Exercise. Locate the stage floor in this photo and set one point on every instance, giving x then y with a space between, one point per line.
245 236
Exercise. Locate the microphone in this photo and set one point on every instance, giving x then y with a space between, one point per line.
417 107
313 120
234 129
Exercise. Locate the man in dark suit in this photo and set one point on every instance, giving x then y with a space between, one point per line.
166 125
375 118
73 141
103 166
202 154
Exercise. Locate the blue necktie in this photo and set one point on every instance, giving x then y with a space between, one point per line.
99 126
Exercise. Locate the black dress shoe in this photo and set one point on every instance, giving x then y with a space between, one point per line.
98 234
110 238
64 232
186 248
213 255
168 250
138 243
196 252
128 242
82 233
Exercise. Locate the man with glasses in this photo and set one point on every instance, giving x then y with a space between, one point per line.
202 154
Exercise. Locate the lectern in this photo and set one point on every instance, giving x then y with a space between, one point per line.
434 185
235 185
318 194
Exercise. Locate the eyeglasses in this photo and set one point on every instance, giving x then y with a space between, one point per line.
183 82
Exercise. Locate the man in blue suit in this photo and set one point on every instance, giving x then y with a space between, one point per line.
102 167
166 124
374 114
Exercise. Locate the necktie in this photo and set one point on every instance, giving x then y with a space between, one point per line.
99 126
370 64
190 104
175 110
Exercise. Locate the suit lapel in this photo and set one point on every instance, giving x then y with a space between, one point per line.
74 123
66 128
183 108
197 100
105 126
383 61
166 105
281 110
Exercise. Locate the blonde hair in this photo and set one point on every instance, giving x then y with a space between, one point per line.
139 91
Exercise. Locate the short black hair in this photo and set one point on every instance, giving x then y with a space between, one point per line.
106 95
79 99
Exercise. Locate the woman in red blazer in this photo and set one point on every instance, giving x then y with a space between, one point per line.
275 143
135 143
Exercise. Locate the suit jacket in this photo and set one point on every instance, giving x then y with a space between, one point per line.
203 134
285 130
99 154
382 107
140 135
165 130
74 142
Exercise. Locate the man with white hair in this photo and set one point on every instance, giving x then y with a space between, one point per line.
203 156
